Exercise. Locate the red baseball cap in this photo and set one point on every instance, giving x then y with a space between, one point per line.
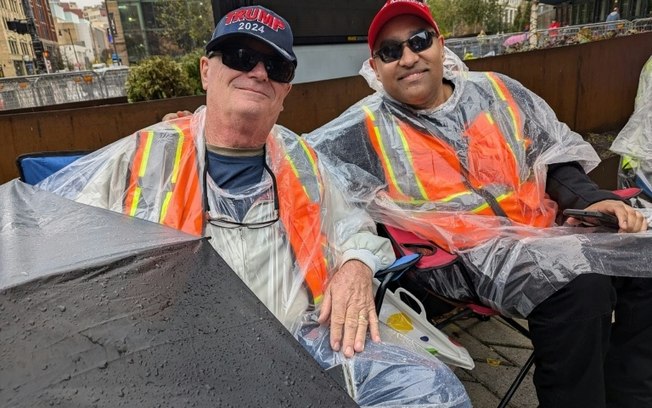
394 8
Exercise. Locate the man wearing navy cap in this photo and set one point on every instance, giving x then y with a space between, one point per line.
228 172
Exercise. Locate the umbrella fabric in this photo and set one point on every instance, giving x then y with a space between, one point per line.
515 39
98 309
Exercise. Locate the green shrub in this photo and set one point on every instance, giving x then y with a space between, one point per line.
190 64
157 77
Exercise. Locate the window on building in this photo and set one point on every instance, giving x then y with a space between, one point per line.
13 47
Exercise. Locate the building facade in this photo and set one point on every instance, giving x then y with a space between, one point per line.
16 52
596 11
46 32
74 37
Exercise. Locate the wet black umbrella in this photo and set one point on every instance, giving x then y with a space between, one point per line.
99 309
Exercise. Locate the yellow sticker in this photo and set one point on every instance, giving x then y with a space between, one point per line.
400 322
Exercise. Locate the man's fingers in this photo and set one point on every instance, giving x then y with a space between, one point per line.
361 331
325 311
337 326
374 329
353 319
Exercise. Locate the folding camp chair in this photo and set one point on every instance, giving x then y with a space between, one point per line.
433 258
34 167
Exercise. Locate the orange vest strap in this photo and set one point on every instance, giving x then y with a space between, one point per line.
300 212
171 158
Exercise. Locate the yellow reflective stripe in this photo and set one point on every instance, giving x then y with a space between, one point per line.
134 202
177 156
454 196
408 155
306 150
292 166
502 96
480 208
296 172
517 130
486 205
509 146
496 87
388 164
148 148
370 113
164 207
503 196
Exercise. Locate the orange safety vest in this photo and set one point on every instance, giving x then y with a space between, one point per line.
420 168
295 165
164 185
164 179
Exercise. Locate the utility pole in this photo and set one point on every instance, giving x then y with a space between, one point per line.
73 47
534 23
115 58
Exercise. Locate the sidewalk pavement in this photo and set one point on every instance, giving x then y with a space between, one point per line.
499 352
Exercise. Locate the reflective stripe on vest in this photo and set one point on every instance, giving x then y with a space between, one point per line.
423 168
393 149
163 181
164 186
515 138
300 211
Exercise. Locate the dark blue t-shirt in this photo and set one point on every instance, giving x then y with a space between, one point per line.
235 174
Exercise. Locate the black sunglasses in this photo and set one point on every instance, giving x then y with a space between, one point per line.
224 221
393 50
245 59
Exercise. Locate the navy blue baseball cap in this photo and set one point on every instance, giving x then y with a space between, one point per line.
259 23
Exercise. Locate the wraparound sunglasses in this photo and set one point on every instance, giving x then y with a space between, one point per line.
245 59
391 51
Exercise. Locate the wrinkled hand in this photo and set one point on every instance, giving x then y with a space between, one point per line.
629 220
349 303
176 115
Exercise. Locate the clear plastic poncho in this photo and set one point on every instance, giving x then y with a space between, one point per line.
270 234
439 173
634 142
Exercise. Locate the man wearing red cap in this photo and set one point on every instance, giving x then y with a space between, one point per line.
479 165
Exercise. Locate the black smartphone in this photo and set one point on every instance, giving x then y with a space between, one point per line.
593 218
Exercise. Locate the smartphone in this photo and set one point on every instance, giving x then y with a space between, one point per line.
593 218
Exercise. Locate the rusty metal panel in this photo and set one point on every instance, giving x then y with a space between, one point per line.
591 87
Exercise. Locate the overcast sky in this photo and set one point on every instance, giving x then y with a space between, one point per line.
84 3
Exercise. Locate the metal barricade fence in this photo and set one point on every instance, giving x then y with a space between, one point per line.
498 44
642 24
52 89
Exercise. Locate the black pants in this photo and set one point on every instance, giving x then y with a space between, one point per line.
581 358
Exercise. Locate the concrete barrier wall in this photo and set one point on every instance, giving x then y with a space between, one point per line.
591 87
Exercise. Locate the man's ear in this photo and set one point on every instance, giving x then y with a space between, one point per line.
443 50
372 62
287 90
203 71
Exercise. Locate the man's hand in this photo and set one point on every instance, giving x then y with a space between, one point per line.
349 303
176 115
629 220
